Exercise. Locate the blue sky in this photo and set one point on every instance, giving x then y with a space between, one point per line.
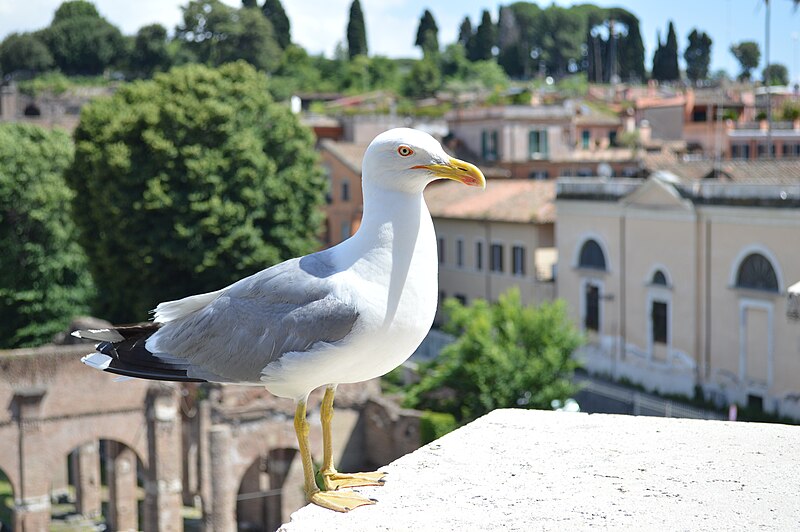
391 24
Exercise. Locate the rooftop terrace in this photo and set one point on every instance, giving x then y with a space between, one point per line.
537 470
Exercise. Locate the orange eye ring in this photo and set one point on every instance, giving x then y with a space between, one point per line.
405 151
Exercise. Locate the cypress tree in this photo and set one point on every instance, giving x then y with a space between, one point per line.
427 34
273 10
484 39
671 71
465 32
698 55
356 31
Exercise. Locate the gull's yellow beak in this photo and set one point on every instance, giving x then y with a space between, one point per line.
457 170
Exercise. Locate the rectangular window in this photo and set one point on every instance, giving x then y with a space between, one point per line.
699 115
762 150
518 260
537 144
585 139
460 253
345 191
612 138
659 320
441 250
740 151
479 256
591 321
489 145
496 258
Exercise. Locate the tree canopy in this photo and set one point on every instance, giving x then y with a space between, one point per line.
427 34
482 42
24 52
505 355
81 41
217 33
356 31
698 55
44 280
665 58
188 182
775 74
749 55
150 52
273 10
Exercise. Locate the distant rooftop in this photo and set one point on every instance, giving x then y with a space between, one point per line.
539 470
513 200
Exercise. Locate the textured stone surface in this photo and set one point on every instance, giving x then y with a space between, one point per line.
536 470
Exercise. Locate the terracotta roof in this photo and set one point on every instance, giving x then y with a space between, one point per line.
349 153
774 172
514 200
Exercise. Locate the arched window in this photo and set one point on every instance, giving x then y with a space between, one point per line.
756 273
592 256
659 278
31 110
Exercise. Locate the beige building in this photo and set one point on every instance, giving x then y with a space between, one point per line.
490 240
680 282
544 141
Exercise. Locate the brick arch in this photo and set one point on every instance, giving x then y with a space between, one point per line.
12 478
129 430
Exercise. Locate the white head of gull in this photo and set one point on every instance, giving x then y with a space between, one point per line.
346 314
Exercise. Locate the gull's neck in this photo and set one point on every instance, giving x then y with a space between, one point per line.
392 219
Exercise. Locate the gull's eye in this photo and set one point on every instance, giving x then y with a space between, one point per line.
404 151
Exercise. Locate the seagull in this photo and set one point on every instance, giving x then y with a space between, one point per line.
346 314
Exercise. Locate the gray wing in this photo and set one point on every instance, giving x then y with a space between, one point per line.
288 307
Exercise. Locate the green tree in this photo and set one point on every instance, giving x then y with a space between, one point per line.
81 41
505 355
249 3
427 34
24 52
216 33
273 10
698 55
423 80
484 39
630 48
775 74
188 182
356 31
562 46
44 281
150 51
465 32
665 59
749 55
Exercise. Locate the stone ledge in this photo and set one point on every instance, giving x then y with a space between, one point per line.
538 470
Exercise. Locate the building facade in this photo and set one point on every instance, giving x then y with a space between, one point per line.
681 285
492 240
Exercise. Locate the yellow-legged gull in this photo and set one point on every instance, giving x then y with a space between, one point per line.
346 314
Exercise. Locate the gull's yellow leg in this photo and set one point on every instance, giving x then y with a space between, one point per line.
333 479
340 501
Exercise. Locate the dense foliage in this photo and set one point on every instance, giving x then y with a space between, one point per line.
427 34
188 182
150 52
44 280
698 55
775 74
356 31
273 10
505 355
665 58
749 55
24 52
81 41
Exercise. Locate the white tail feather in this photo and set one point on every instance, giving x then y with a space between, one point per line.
100 335
172 310
97 360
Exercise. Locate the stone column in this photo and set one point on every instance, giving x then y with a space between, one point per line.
87 484
32 509
121 472
221 516
163 501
